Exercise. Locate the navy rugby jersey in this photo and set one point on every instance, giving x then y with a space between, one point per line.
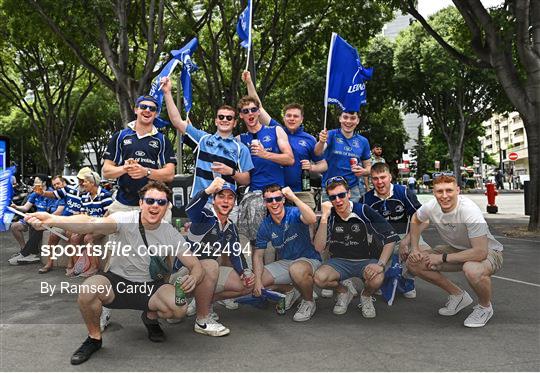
96 206
72 198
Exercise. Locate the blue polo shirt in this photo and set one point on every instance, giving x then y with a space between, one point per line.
72 199
303 146
214 148
42 203
338 153
397 209
98 205
265 172
290 238
152 150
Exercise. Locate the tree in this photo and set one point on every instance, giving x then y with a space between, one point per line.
423 162
505 41
456 99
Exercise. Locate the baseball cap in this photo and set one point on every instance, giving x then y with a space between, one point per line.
147 98
83 171
228 186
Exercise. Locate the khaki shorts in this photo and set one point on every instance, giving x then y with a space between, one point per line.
120 207
224 273
494 259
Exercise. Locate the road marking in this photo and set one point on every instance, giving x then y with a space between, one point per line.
518 281
517 239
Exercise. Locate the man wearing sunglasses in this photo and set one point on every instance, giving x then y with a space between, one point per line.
346 230
129 265
220 154
287 228
340 147
137 154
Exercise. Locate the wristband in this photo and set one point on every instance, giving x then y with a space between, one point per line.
233 172
381 263
444 257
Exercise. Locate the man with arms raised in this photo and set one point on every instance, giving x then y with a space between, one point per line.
470 248
130 270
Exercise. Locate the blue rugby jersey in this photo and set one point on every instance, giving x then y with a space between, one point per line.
72 197
397 209
98 205
265 172
42 203
214 148
340 150
290 238
153 150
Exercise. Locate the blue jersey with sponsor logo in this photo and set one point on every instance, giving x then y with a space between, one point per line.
152 150
265 172
290 238
56 204
42 203
214 148
339 152
72 199
96 206
303 146
397 209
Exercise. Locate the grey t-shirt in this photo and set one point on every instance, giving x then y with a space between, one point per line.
130 258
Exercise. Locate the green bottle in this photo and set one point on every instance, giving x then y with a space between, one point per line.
179 294
280 306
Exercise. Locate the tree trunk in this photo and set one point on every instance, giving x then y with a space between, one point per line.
533 127
126 107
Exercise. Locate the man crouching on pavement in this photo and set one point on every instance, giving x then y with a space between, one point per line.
129 269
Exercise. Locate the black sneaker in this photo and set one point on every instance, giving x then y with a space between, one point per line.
155 333
89 346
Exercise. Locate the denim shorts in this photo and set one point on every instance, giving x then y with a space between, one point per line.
348 268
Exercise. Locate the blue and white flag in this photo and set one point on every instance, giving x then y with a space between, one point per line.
6 194
260 302
345 76
394 282
157 93
243 27
188 66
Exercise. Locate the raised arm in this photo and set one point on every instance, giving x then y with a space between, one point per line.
320 240
320 146
172 110
264 118
307 215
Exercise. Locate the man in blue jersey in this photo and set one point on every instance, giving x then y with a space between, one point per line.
137 154
301 142
346 153
346 230
397 204
218 154
287 228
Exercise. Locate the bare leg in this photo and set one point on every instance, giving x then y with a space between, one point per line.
302 275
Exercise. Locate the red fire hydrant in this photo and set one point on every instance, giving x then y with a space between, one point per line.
491 192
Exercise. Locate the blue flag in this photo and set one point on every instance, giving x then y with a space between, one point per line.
188 66
345 76
243 27
260 302
6 194
157 93
394 282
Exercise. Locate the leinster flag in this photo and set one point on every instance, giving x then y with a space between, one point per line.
260 302
345 76
188 66
243 27
157 93
6 194
394 282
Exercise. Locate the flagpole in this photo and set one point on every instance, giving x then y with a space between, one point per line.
43 225
328 65
250 4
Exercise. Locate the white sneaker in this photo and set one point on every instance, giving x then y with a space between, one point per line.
315 295
290 298
366 305
327 293
455 304
349 285
378 292
411 294
105 318
229 304
191 308
210 327
29 259
342 302
14 259
306 309
479 317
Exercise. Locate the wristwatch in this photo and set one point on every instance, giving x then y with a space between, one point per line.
148 172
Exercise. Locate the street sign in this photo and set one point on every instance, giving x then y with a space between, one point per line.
513 156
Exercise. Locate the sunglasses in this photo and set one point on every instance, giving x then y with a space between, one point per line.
249 110
273 199
333 197
228 117
159 201
152 108
336 179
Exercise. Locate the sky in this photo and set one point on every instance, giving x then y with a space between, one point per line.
428 7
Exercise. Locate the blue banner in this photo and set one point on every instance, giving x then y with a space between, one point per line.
188 66
345 76
6 194
243 27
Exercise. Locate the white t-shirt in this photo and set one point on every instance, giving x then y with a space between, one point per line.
459 225
133 263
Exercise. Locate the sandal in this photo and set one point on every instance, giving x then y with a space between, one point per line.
89 273
45 269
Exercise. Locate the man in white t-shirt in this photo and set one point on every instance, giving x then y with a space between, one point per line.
128 284
470 248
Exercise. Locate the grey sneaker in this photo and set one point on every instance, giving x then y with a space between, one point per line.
479 317
342 302
105 318
306 309
349 285
290 298
191 308
411 294
366 305
210 327
455 304
229 304
14 259
29 259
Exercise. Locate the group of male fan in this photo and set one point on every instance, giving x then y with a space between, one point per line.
358 231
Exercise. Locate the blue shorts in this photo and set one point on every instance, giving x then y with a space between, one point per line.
348 268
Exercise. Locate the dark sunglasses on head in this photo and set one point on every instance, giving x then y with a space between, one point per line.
152 108
159 201
228 117
332 197
272 199
248 110
335 179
